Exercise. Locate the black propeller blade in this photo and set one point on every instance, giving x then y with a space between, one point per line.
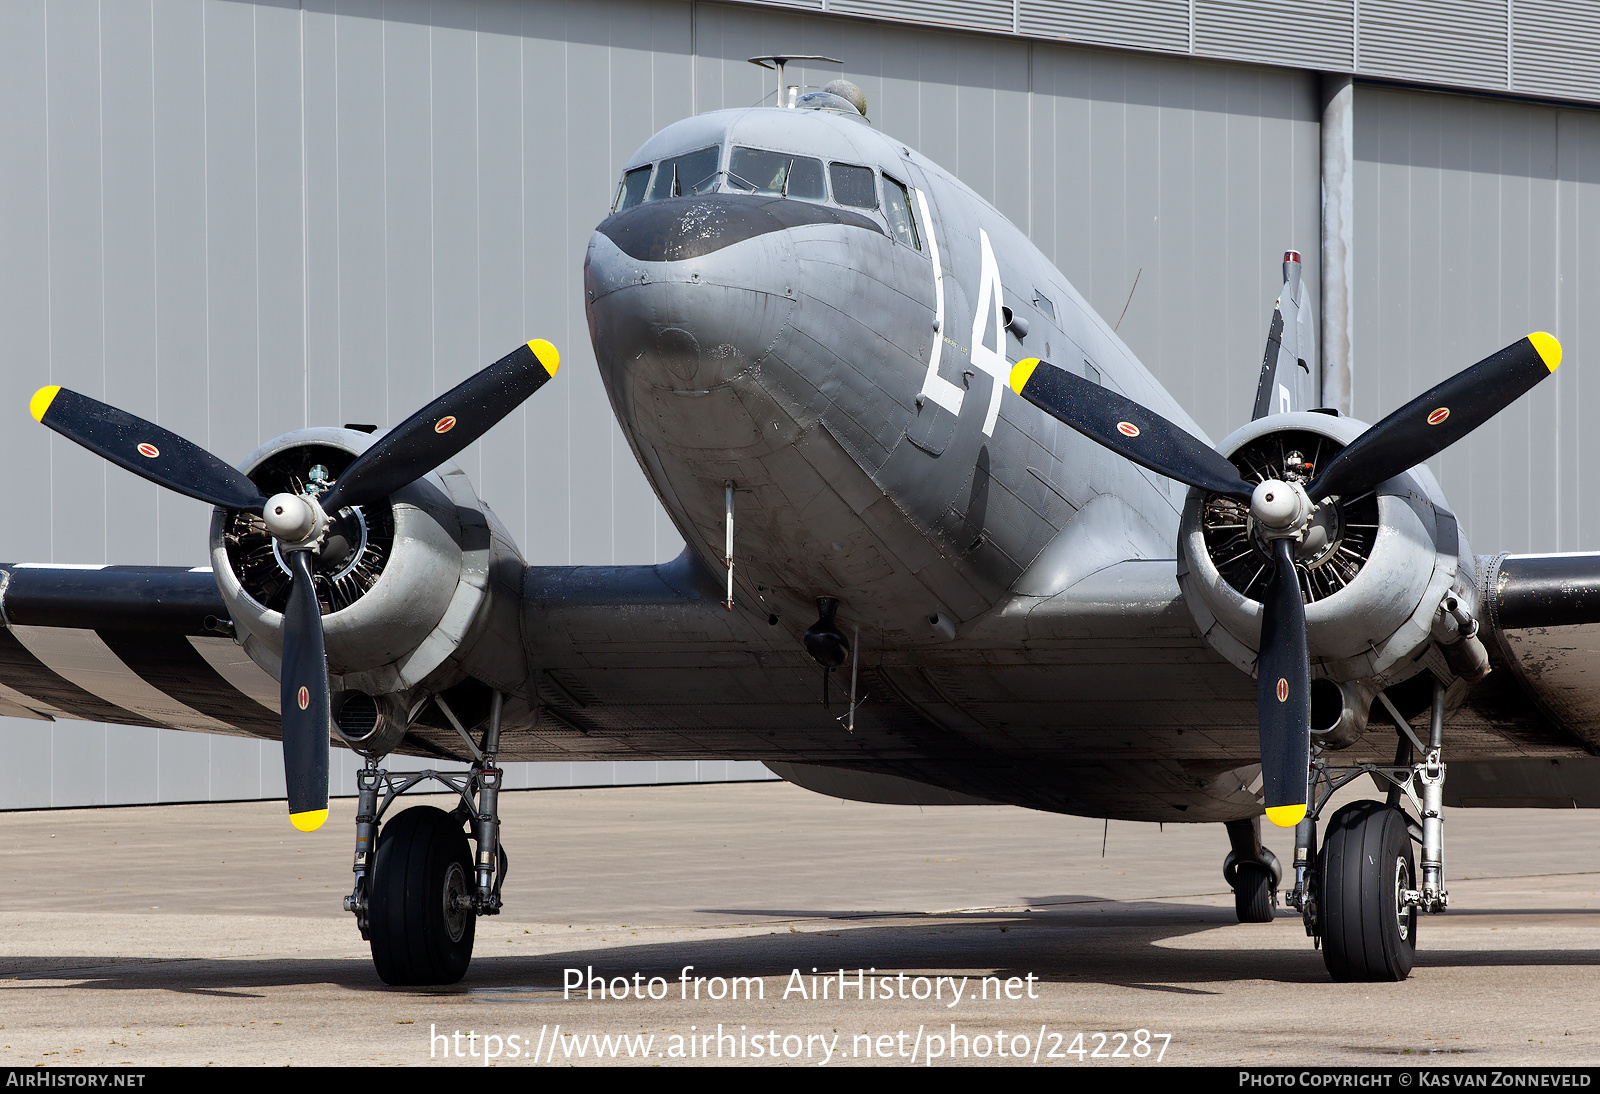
1420 429
1438 418
304 692
147 450
445 426
1127 428
1283 692
435 433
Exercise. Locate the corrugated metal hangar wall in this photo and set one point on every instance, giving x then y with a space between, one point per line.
241 218
1478 220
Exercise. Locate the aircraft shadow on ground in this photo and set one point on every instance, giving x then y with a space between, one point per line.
1116 944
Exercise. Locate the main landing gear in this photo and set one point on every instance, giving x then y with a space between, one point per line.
418 887
1359 893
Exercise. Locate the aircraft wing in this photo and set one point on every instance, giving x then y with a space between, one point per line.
1544 640
636 662
631 662
131 645
645 662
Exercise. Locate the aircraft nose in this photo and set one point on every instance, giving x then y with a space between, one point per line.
687 293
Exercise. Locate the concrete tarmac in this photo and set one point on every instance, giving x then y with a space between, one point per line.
204 934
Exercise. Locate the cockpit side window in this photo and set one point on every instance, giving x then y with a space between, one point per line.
691 173
854 186
897 207
631 192
763 172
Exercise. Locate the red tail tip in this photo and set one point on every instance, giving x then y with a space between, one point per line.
1291 256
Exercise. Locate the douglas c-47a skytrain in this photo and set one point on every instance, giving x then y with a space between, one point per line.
947 542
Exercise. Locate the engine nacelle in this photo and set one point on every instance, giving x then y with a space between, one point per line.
418 591
1374 571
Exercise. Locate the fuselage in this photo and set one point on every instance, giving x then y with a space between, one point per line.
793 303
789 303
831 337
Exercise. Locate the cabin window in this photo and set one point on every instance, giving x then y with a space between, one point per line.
631 192
690 173
854 186
1042 302
897 206
753 169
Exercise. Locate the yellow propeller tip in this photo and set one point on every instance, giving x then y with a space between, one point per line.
1548 348
1286 816
41 401
547 354
1020 373
310 820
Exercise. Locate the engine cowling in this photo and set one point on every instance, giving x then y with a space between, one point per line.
418 591
1373 571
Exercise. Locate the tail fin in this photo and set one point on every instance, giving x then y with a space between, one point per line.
1288 370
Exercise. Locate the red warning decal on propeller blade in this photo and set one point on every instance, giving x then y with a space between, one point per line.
1127 429
149 450
305 698
445 424
1283 690
1439 415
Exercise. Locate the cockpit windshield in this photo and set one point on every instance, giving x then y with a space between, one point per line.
776 173
634 184
763 171
690 173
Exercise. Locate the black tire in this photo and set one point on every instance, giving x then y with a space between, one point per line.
419 933
1252 893
1367 935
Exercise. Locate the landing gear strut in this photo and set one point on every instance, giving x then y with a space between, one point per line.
1359 894
418 887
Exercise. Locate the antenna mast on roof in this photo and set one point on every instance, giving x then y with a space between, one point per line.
777 61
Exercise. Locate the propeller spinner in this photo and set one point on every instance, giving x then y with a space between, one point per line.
1284 510
299 522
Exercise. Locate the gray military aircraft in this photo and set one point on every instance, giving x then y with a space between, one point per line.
947 542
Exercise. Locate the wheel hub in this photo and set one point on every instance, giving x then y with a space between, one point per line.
1402 907
457 902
